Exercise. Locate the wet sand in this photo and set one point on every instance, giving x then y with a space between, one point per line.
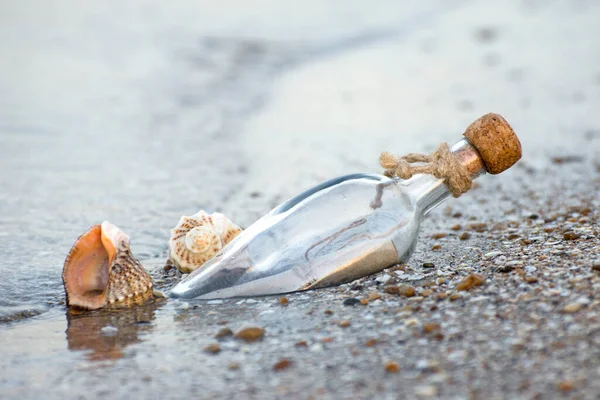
138 115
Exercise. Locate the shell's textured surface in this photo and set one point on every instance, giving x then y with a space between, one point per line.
197 238
100 271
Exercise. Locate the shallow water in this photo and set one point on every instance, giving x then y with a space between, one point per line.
140 114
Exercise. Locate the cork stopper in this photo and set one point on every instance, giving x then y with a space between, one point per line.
495 141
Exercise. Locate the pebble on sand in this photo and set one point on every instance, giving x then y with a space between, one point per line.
531 279
213 348
572 308
431 327
402 290
223 332
282 364
470 282
565 386
351 301
426 391
464 236
392 367
571 235
250 334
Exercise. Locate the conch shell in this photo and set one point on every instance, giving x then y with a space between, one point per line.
197 238
100 271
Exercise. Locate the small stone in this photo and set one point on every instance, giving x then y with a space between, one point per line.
439 235
596 267
213 348
428 265
530 269
431 327
436 247
454 296
478 227
440 296
491 255
470 282
374 296
327 339
223 332
282 364
392 367
572 308
284 301
565 386
464 236
344 324
571 235
301 343
328 312
158 294
427 366
426 391
351 301
250 334
426 292
383 278
370 342
406 290
456 227
531 279
364 302
234 366
392 289
168 265
505 268
513 236
500 226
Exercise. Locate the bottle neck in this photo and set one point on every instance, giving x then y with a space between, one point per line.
427 191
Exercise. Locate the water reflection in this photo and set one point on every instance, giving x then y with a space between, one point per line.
108 332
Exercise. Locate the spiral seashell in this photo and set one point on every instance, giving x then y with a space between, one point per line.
197 238
100 271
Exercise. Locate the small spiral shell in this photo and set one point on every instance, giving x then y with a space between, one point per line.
197 238
100 271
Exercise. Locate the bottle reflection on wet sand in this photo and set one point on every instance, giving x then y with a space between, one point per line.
106 333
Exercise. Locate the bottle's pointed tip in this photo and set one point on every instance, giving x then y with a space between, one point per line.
183 289
176 293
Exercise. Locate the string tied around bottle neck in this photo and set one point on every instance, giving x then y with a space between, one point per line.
441 163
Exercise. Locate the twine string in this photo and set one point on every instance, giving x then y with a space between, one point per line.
441 163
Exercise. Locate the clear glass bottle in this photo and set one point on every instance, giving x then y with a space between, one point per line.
334 233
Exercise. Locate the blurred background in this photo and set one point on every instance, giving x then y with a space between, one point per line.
139 112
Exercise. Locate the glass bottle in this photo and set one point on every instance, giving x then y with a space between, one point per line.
334 233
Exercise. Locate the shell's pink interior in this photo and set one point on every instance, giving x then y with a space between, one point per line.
86 271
